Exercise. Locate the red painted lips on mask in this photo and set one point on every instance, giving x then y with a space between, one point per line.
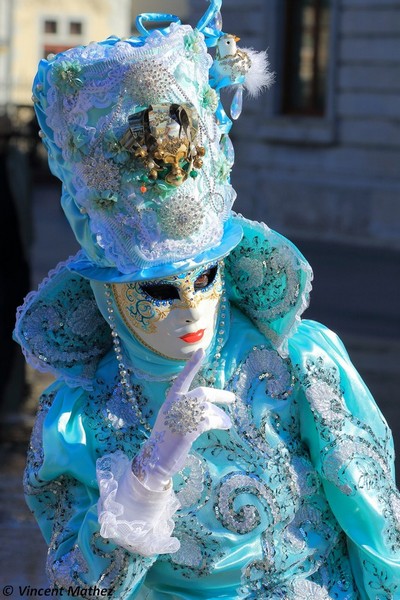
192 338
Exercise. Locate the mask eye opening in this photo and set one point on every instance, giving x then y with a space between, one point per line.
206 278
160 291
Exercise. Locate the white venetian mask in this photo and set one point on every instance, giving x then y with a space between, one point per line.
174 316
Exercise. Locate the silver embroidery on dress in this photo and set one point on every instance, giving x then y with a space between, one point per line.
246 518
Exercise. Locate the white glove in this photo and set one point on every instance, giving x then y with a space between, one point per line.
183 417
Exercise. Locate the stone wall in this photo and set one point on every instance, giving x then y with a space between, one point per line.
332 178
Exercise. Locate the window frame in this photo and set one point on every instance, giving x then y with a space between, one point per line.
289 128
290 104
71 23
48 21
62 39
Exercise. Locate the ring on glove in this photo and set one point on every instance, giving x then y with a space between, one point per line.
184 415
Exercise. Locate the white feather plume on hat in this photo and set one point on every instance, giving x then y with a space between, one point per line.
258 77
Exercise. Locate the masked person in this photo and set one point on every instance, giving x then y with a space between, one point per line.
200 439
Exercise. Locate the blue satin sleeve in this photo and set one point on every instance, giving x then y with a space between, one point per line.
61 490
351 446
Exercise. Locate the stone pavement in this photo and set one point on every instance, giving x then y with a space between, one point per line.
356 292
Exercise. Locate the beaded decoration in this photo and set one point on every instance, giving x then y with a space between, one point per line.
185 415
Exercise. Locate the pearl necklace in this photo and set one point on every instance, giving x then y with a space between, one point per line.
124 372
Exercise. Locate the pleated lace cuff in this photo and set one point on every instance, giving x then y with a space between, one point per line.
133 516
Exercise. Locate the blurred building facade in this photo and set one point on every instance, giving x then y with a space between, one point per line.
318 156
32 29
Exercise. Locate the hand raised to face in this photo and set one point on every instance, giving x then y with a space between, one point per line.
183 417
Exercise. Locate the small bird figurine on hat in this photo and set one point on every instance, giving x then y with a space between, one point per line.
239 68
229 60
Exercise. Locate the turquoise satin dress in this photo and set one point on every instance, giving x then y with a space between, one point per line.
296 501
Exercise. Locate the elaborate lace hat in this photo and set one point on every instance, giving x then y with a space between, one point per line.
136 132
